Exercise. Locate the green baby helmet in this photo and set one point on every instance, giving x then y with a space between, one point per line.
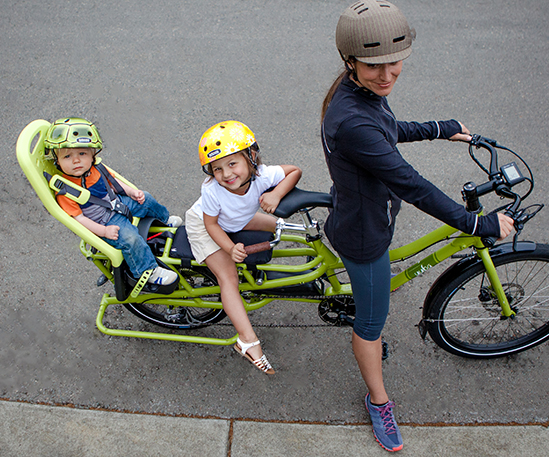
72 132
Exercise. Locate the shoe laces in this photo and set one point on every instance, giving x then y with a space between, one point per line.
387 418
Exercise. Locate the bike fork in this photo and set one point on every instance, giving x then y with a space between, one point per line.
492 274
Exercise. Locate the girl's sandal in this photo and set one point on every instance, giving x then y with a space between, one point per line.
261 364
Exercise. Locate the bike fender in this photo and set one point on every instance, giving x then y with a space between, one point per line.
463 264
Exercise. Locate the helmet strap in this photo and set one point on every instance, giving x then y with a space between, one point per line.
351 69
253 162
352 72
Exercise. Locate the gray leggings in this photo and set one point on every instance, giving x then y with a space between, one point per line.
371 283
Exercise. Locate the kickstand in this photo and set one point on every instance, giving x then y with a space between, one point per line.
385 348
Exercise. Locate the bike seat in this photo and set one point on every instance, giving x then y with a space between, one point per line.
298 199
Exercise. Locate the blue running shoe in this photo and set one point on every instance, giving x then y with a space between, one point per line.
384 425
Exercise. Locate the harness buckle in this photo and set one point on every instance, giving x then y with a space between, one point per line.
120 208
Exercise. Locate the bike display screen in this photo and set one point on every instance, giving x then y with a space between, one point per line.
512 174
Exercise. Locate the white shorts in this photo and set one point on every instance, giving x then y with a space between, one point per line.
202 244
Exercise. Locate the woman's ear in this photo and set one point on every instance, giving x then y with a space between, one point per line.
349 67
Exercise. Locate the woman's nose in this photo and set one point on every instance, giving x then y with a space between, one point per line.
385 72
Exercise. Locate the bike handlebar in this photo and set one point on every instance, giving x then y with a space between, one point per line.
501 181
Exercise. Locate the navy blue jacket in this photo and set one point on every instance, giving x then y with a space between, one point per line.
370 177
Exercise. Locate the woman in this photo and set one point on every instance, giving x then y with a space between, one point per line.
370 178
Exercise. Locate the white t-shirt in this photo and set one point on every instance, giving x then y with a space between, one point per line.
235 211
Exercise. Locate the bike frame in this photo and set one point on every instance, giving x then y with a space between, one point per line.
457 244
323 262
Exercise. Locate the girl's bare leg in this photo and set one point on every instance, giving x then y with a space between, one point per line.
221 264
263 222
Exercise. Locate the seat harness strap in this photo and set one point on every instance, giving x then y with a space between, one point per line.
81 195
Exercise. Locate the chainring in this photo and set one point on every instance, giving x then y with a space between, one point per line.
337 311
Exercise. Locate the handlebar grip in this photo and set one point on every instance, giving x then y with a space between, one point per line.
259 247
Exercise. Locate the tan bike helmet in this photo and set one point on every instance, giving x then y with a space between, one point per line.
374 32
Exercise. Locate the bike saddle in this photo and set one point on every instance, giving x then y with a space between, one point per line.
298 199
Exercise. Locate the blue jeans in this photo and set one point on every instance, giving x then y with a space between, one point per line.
135 249
371 284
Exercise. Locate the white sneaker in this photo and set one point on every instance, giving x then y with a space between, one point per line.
162 277
174 221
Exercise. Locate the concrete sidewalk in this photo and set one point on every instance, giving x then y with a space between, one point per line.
39 431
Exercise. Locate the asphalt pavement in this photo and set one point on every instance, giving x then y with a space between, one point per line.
154 76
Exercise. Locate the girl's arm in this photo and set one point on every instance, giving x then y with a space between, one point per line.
104 231
270 200
236 251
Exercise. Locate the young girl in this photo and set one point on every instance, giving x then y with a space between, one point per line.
230 199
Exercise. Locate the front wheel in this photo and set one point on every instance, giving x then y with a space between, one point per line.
465 316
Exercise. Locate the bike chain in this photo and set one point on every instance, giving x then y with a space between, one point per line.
313 297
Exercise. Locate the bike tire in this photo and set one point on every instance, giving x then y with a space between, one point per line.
181 317
465 317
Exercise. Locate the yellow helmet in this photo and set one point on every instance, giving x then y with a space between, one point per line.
222 140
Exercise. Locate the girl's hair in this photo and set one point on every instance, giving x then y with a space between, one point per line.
253 170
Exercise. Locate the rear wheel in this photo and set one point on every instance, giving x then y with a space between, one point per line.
182 317
465 316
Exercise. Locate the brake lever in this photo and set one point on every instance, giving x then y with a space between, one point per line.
518 225
476 139
520 218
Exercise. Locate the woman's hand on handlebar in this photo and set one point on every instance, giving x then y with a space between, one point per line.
465 134
505 225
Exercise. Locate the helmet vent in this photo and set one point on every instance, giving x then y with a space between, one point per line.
358 6
372 45
399 39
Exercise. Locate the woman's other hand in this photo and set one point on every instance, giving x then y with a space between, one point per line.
465 135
